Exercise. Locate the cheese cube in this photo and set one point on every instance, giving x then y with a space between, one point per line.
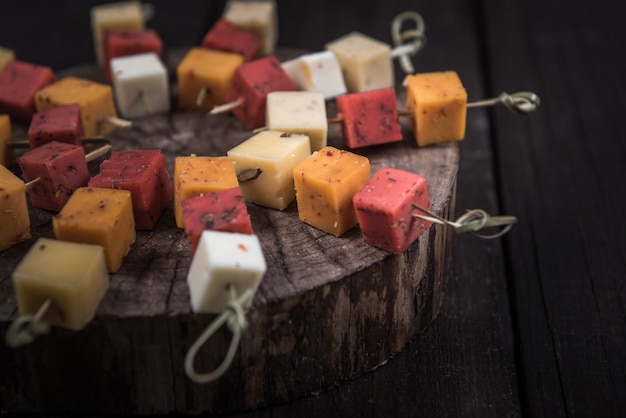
19 82
366 63
208 70
252 82
384 209
258 17
119 15
72 276
325 184
299 112
61 167
140 85
144 174
125 42
61 124
276 154
195 175
223 259
224 211
438 103
14 219
95 101
225 36
369 118
101 217
6 56
319 71
6 154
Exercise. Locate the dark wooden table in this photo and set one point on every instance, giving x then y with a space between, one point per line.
532 324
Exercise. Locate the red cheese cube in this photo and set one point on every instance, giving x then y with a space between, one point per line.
124 42
144 174
369 118
61 124
224 211
385 212
225 36
62 169
19 81
251 83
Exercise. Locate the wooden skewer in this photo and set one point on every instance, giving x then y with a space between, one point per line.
227 107
119 122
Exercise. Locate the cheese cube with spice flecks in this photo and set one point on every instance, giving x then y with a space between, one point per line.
325 184
101 217
438 103
19 83
14 218
224 259
204 77
275 154
369 118
144 174
299 112
6 153
117 15
61 168
224 211
95 101
61 124
225 36
125 42
258 17
384 209
197 175
72 276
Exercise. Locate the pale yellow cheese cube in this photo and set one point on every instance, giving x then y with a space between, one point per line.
14 219
299 112
325 184
6 56
365 62
72 276
438 104
95 101
98 216
275 154
197 175
120 15
258 17
5 136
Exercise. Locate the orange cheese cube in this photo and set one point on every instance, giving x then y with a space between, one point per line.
101 217
325 184
196 175
5 136
95 101
206 69
6 56
14 219
438 105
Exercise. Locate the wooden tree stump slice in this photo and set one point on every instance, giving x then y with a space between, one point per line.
328 309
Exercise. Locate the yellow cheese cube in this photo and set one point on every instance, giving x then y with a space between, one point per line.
72 276
6 56
209 70
195 176
325 184
258 17
276 154
98 216
95 101
365 62
120 15
438 105
14 219
6 154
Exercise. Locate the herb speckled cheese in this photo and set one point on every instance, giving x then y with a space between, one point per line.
14 219
72 276
98 216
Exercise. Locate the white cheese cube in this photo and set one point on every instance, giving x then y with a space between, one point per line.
140 85
276 154
317 72
366 63
298 112
258 17
223 259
